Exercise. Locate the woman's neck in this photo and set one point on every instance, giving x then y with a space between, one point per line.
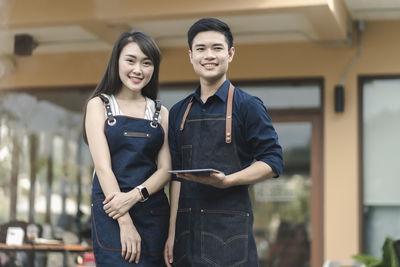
126 94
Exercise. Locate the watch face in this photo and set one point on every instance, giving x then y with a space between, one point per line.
145 193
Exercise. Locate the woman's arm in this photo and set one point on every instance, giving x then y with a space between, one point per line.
94 124
119 203
174 191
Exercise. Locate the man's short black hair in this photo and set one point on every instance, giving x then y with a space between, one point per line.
210 24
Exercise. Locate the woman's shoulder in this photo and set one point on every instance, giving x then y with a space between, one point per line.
95 101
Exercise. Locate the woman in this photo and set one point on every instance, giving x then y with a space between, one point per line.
124 127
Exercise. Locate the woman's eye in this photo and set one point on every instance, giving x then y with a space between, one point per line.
147 63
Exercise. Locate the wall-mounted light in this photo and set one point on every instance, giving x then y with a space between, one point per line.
339 98
339 89
24 44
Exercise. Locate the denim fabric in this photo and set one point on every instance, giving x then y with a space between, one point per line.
134 147
252 130
214 226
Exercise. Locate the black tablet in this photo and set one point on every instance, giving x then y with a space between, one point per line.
202 172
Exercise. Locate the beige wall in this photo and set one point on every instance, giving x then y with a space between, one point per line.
380 55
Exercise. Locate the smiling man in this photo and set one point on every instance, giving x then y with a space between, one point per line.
218 127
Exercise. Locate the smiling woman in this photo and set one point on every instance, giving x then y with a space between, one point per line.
125 129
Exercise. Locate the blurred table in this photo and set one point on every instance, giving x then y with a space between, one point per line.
65 248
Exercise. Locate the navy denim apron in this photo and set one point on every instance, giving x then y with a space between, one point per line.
214 226
134 145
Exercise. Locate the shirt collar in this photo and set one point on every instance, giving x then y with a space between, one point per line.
222 92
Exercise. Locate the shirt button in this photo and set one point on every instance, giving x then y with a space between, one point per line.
203 109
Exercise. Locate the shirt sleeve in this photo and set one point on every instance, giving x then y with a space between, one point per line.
173 141
261 135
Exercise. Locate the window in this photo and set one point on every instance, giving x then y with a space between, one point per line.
45 167
381 168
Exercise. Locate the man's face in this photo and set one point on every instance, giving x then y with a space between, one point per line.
210 56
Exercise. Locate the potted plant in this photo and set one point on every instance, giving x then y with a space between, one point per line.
390 257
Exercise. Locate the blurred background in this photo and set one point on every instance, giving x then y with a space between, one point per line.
327 70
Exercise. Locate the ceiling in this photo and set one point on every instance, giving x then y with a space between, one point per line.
95 26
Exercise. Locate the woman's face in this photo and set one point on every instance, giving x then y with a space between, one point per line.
135 68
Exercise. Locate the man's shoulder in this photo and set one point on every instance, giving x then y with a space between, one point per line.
181 104
243 97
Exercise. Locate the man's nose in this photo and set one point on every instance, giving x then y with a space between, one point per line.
210 53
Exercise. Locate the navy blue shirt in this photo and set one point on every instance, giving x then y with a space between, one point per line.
252 129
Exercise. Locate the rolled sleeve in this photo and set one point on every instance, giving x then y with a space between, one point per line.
261 135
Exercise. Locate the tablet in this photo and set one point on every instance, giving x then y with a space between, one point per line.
202 172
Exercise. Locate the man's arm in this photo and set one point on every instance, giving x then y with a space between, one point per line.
262 139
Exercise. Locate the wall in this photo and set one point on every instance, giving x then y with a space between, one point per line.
380 55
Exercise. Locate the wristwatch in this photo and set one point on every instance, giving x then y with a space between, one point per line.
143 192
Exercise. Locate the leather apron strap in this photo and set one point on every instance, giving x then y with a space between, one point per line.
228 119
228 128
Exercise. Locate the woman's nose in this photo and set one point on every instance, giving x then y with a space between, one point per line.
136 68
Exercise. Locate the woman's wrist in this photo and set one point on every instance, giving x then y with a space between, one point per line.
135 196
124 219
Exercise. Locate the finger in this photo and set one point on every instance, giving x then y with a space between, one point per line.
166 258
115 217
170 254
106 207
128 251
187 177
133 255
123 250
108 198
138 251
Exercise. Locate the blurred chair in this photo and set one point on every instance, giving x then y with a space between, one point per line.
342 263
20 258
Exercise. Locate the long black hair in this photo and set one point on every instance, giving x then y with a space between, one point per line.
111 82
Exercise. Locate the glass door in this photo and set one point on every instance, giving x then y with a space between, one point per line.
288 210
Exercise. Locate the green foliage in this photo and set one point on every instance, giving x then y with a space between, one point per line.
389 258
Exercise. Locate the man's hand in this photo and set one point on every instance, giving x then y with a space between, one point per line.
169 250
217 179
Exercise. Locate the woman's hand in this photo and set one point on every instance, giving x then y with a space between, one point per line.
118 203
130 241
169 250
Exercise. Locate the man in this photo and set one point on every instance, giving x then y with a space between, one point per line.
223 128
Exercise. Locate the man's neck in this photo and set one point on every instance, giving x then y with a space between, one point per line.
208 88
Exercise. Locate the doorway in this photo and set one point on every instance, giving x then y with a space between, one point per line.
288 211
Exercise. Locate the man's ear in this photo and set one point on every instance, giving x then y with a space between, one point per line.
231 53
190 55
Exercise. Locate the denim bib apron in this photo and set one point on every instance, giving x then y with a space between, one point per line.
214 226
134 145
